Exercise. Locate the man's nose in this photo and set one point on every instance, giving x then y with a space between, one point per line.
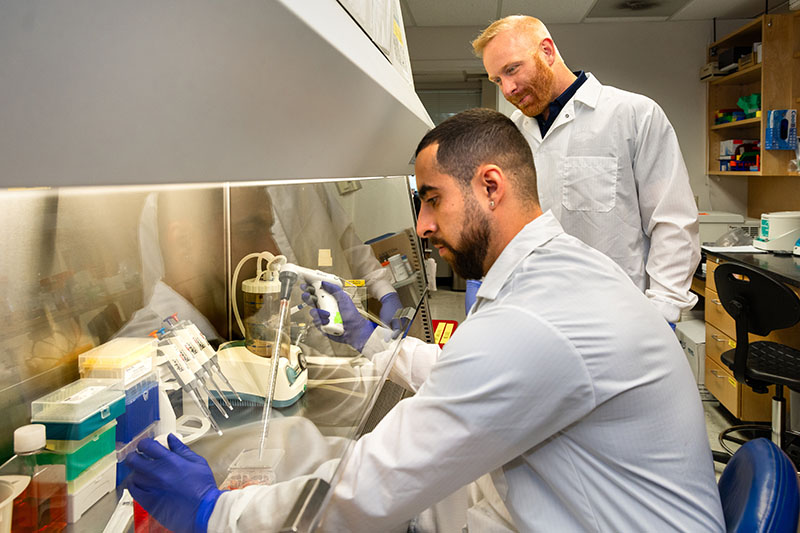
425 224
508 87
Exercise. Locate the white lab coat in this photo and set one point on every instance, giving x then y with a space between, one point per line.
587 420
611 170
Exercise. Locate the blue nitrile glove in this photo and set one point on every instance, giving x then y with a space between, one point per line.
390 304
357 329
176 487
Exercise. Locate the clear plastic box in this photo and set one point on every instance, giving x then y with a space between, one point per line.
78 409
125 358
247 469
80 455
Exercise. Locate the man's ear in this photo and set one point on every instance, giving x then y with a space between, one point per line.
549 48
491 183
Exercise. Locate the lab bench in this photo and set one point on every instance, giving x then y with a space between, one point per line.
739 399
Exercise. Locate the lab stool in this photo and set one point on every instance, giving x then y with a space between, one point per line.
760 304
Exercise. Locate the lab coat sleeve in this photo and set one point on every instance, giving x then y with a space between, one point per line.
260 508
668 211
413 363
487 400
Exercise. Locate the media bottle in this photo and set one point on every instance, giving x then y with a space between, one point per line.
42 506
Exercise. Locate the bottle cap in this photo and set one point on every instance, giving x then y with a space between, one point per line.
29 438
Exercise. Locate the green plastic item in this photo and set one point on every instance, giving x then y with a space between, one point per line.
750 104
80 455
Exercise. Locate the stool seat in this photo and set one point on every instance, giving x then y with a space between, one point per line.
769 363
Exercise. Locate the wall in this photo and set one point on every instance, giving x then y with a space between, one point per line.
658 59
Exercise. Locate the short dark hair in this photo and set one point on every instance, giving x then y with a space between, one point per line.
479 136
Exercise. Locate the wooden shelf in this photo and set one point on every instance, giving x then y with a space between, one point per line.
745 173
743 34
740 77
748 122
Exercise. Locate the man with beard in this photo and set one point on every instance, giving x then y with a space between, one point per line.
608 161
588 420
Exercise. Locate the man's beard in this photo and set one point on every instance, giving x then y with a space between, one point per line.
469 258
539 88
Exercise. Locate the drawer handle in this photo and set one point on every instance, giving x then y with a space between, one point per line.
715 301
717 338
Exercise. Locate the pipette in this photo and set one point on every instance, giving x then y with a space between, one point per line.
212 365
185 378
273 367
191 361
201 357
289 274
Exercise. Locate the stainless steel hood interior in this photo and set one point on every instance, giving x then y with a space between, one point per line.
115 92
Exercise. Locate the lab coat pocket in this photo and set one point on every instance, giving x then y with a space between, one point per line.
589 183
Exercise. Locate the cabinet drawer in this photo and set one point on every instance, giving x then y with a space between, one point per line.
717 316
739 399
717 343
721 384
711 264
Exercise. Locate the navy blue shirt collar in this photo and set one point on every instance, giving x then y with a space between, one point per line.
558 104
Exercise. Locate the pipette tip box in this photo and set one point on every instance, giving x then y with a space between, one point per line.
141 408
80 408
79 455
97 481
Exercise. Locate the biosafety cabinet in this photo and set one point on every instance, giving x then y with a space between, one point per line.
147 148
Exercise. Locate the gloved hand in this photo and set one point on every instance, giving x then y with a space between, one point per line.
357 329
176 487
390 304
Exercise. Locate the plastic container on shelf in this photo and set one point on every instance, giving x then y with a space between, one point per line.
80 408
124 449
97 481
141 408
128 359
79 455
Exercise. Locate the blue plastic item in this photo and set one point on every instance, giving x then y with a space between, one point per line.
759 490
471 293
141 410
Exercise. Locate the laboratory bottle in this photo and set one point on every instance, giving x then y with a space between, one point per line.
42 506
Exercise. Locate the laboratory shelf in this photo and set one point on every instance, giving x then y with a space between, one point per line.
744 76
748 122
408 281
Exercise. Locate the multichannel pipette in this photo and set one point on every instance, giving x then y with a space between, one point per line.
185 352
185 377
210 363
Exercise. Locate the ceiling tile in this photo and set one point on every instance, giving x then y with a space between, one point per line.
623 9
549 12
453 12
728 9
